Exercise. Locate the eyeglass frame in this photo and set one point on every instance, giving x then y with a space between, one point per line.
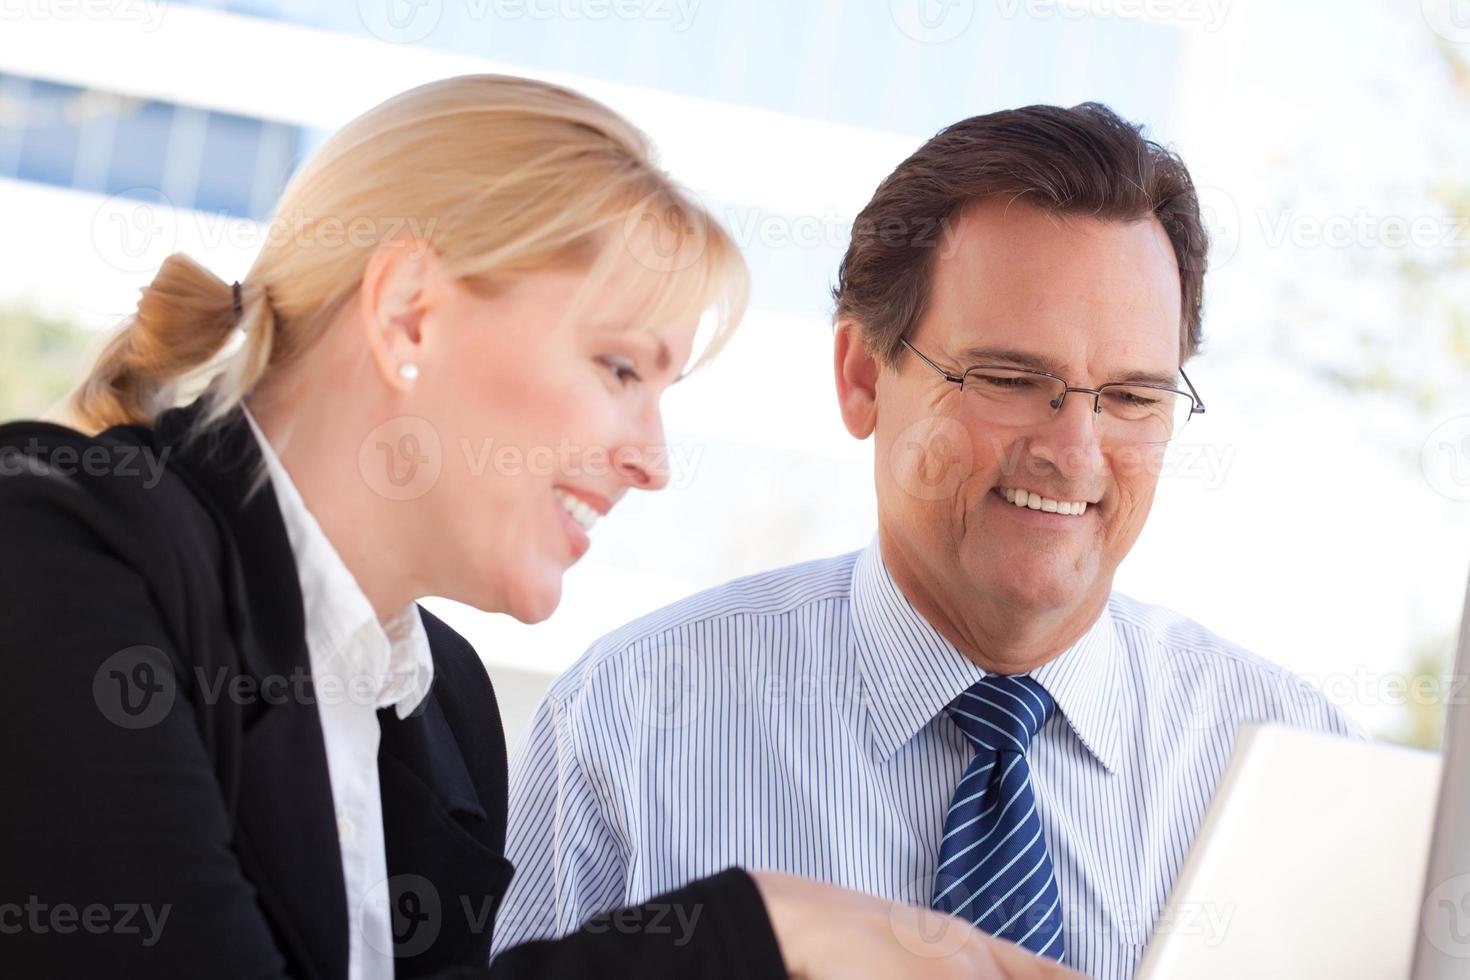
1196 407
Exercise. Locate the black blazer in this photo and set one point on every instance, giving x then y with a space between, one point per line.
166 809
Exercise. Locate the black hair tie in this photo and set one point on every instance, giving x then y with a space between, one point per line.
238 306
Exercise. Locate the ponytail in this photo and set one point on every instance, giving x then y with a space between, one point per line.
185 319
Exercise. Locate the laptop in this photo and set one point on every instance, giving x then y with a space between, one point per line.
1442 948
1322 856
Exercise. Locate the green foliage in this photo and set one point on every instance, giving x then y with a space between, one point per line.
1429 687
41 359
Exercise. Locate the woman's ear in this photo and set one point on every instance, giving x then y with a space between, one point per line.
395 294
857 380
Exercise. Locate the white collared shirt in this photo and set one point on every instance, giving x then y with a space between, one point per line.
795 720
358 666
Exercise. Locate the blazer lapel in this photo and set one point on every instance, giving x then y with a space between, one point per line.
444 849
285 814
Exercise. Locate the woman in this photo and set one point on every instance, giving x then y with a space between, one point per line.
243 750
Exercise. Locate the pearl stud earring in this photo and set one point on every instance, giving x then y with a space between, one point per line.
408 371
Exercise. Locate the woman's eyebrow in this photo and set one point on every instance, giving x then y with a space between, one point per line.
662 356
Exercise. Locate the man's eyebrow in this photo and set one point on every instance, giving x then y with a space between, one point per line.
973 356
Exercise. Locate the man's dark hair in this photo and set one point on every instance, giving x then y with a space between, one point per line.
1080 161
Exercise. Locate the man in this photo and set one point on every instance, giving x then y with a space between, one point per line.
963 714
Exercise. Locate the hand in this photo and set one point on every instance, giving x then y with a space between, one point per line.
825 931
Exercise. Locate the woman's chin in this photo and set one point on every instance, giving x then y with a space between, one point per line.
533 600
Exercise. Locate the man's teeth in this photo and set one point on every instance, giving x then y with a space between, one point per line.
582 513
1025 498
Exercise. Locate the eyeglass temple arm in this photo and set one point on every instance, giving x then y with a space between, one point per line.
939 370
1199 406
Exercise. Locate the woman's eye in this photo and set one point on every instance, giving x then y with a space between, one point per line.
622 370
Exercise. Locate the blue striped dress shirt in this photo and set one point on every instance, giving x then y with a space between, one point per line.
795 720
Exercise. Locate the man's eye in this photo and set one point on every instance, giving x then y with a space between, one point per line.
1134 398
1001 380
622 370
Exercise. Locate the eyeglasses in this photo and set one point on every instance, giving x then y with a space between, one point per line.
1132 413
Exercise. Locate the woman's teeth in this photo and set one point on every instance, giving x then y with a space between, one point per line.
583 514
1025 498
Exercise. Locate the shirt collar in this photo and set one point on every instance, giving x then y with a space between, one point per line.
382 664
910 672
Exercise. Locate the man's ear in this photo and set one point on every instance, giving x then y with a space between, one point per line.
396 286
857 380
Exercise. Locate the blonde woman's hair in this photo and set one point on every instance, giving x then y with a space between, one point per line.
497 174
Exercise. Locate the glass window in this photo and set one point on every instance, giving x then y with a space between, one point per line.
227 172
48 147
140 147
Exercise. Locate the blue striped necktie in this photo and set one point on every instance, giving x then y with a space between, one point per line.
993 866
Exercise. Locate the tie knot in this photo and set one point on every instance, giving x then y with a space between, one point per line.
1002 713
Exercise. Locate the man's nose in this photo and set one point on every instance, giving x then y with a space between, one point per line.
1071 439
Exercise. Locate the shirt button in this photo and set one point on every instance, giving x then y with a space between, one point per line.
346 830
